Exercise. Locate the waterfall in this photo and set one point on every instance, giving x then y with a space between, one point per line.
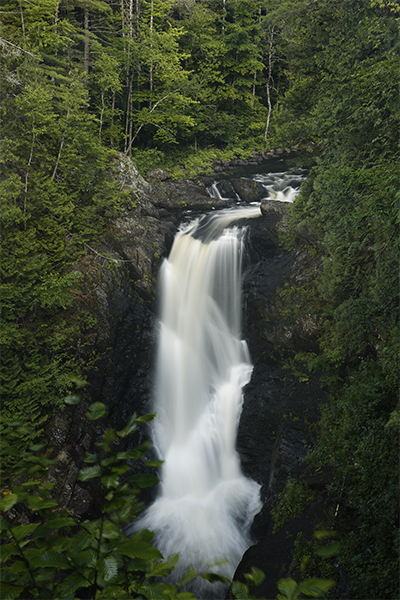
206 505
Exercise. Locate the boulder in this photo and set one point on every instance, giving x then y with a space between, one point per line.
249 190
158 175
274 208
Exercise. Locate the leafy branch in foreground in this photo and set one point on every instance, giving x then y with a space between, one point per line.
51 553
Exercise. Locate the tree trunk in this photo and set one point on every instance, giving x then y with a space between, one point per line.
129 84
128 121
151 50
137 17
255 70
60 150
22 22
101 113
269 82
86 46
112 120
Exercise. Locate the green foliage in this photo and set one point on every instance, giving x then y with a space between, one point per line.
350 200
57 192
311 557
290 503
309 588
58 555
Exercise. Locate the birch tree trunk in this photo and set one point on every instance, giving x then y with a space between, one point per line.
269 82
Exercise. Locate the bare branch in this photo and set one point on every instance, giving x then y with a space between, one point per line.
6 42
147 119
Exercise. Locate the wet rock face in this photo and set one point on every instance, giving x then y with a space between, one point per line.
274 427
118 287
272 434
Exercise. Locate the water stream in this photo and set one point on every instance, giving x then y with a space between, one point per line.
206 505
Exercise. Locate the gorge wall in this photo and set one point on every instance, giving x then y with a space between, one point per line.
120 285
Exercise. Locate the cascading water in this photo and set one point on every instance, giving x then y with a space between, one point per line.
283 187
206 505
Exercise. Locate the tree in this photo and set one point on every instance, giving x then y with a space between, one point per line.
57 193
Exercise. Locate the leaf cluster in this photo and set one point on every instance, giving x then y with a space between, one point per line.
52 553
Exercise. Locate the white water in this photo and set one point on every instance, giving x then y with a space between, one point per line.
206 505
214 192
283 187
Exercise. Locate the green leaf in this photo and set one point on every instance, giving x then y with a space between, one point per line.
190 574
143 480
8 502
139 549
8 550
45 576
110 481
91 458
108 438
37 447
155 463
96 411
328 550
105 462
36 503
62 522
21 531
313 588
83 559
51 558
215 577
72 400
80 383
16 567
111 531
89 473
120 469
256 576
161 569
42 531
155 590
146 418
12 451
9 592
320 535
288 589
70 584
135 452
130 427
3 524
108 568
240 591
